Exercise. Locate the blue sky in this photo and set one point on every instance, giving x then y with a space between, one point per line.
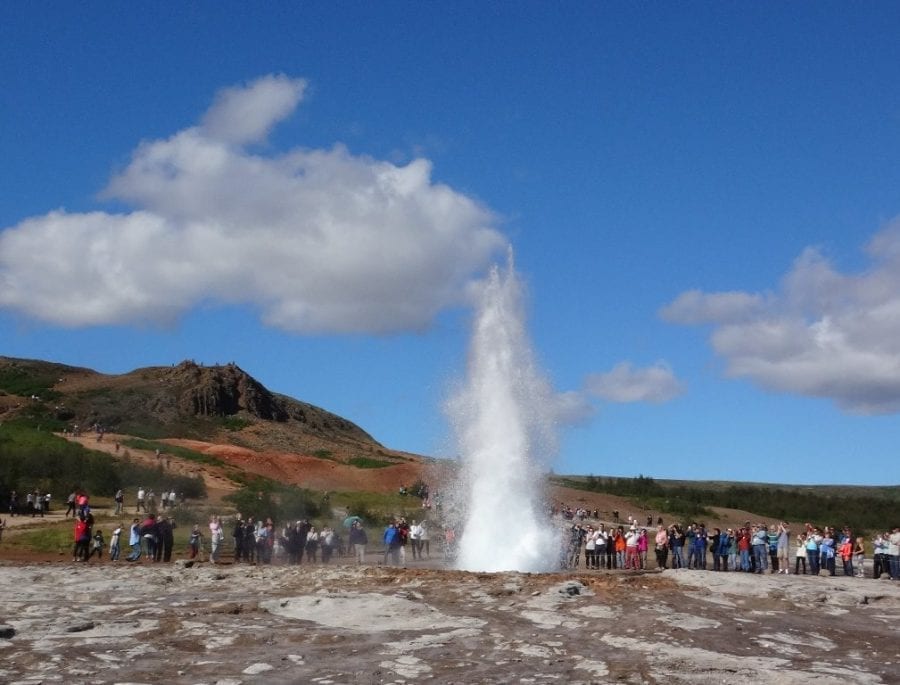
702 200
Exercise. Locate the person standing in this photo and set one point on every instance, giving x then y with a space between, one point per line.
721 550
859 556
194 542
813 541
827 552
800 555
312 544
894 553
760 541
643 546
249 545
784 548
424 540
744 546
97 545
715 539
114 549
120 502
38 504
82 538
150 536
70 504
215 538
676 543
134 541
166 539
391 539
879 555
237 535
621 547
326 542
415 537
403 532
590 547
600 555
358 540
662 547
772 545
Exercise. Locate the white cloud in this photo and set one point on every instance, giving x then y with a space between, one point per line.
694 306
247 114
318 240
822 334
625 383
571 408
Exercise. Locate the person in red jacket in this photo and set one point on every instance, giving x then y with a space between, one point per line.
82 537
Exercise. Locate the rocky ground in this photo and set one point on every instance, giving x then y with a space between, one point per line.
66 623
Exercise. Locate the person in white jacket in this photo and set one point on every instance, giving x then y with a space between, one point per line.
415 539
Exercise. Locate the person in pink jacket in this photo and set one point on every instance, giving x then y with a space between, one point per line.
643 544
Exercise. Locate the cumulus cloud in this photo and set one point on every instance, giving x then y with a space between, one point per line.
625 383
694 306
318 240
246 114
571 408
822 333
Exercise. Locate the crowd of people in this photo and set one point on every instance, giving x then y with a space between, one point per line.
751 548
587 542
146 500
399 535
261 541
35 503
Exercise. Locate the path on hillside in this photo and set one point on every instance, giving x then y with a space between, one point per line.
217 485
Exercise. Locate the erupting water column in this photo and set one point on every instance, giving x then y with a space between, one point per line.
503 419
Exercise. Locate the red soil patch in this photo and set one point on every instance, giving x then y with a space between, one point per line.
310 472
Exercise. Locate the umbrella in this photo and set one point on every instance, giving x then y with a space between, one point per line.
350 520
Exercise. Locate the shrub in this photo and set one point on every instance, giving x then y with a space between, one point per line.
369 463
262 498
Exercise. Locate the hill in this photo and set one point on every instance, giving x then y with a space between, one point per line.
217 404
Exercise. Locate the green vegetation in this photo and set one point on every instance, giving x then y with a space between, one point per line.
53 539
30 458
324 454
235 423
649 494
29 382
150 428
369 463
263 498
862 510
376 508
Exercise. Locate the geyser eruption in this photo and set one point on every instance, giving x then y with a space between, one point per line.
504 425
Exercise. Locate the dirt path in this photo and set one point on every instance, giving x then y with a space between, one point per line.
217 484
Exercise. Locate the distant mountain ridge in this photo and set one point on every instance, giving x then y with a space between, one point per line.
185 400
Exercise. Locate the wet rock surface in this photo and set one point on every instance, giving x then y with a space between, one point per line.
348 624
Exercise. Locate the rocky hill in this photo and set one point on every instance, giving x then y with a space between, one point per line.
219 403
